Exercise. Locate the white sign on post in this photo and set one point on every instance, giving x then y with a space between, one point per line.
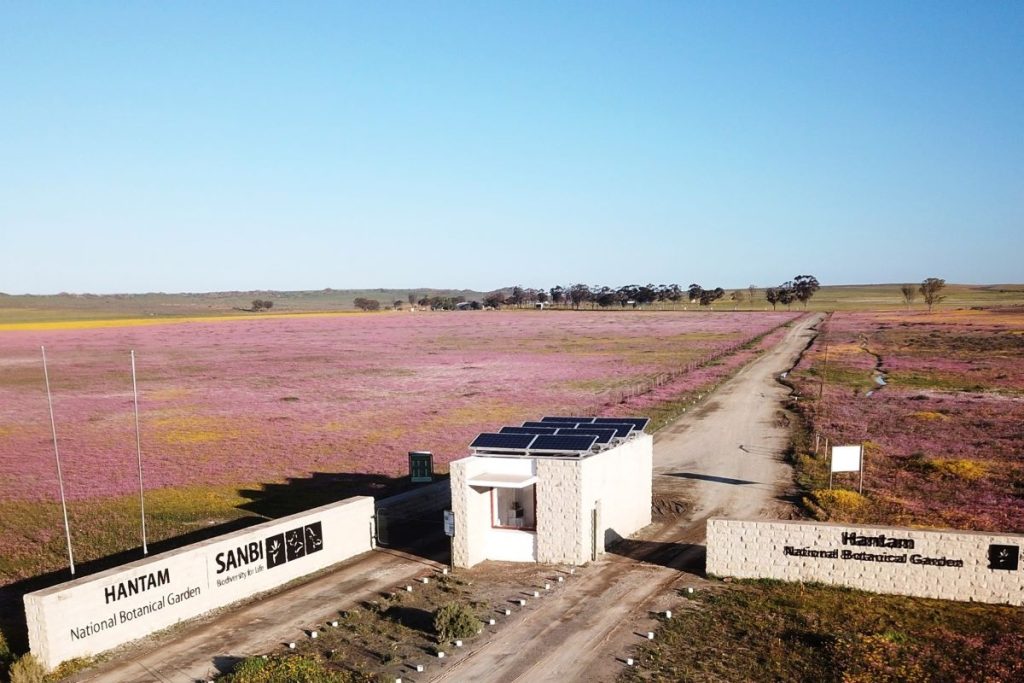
449 523
846 458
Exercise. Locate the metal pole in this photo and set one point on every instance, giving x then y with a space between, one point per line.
861 491
138 450
56 453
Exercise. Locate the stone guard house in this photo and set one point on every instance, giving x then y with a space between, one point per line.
545 505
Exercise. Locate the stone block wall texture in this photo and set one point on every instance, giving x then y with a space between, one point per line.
561 527
928 563
95 613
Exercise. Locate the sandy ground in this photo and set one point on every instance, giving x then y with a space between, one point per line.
724 458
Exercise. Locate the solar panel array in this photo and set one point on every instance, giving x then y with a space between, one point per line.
561 436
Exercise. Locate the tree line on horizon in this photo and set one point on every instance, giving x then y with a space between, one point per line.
798 290
576 296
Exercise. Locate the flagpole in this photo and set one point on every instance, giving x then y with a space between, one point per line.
56 453
138 450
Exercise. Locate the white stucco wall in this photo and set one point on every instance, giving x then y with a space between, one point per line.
475 539
92 614
621 479
930 563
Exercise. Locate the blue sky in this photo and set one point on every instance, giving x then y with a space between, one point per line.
219 146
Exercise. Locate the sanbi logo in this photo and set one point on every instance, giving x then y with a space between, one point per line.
293 544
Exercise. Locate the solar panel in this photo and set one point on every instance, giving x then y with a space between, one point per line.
505 442
579 420
639 423
622 429
562 444
550 425
603 435
528 430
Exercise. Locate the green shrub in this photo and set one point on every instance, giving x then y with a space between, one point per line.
453 621
28 669
292 668
6 656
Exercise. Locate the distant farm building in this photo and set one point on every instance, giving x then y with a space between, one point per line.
554 491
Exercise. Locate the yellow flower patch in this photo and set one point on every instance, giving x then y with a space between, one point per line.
929 416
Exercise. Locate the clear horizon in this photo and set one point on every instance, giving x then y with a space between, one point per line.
196 147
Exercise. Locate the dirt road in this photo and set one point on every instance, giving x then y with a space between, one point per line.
723 459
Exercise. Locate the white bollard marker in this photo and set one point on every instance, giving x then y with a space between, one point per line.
313 635
650 635
291 646
458 643
440 655
408 589
561 579
547 586
690 591
629 662
419 668
536 594
572 570
444 571
668 614
398 680
522 603
507 611
425 580
491 622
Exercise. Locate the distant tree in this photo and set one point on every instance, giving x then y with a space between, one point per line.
694 291
494 300
424 301
364 304
517 297
578 294
261 305
412 298
557 294
771 295
752 291
787 294
930 289
475 305
646 295
709 296
909 293
605 297
675 293
737 298
542 296
804 287
397 304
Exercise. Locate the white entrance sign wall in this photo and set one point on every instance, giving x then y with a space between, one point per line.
92 614
946 564
846 458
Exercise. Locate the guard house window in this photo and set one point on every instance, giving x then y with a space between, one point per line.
514 508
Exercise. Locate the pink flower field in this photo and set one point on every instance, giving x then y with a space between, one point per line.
945 435
234 403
